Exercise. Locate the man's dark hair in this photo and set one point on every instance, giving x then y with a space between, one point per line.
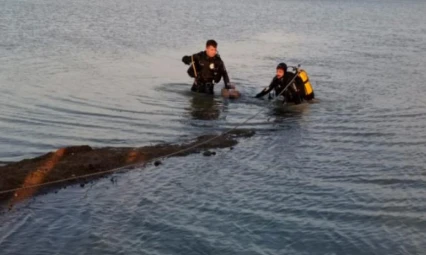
282 66
211 43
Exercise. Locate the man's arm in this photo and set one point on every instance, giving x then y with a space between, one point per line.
223 72
225 76
188 59
266 90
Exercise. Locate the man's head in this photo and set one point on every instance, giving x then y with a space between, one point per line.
211 48
281 70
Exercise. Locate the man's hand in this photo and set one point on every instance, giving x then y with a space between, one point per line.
230 93
230 86
186 60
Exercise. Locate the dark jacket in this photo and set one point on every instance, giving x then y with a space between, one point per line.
208 69
282 87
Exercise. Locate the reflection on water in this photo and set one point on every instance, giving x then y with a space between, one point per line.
204 107
283 111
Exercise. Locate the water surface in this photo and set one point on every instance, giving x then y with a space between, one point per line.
345 175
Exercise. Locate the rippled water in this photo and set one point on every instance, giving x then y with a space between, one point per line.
345 175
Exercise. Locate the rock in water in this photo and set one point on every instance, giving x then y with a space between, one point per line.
207 153
231 93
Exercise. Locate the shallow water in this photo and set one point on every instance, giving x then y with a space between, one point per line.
345 175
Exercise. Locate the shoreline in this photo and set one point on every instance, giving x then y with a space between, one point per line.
74 161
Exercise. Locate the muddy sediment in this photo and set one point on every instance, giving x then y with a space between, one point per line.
73 162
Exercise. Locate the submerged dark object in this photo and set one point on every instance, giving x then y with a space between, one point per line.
157 163
208 153
82 164
231 93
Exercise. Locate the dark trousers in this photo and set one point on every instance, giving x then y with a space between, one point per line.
207 88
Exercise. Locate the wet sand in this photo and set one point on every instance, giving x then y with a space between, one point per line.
76 161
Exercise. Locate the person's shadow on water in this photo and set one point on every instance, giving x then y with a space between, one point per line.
204 107
286 117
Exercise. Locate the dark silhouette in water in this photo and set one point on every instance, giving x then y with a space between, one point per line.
203 107
71 162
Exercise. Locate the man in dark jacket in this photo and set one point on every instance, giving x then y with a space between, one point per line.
284 84
207 68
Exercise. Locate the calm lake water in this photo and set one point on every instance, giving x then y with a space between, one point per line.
346 175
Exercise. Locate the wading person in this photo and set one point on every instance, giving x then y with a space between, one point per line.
284 83
207 69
